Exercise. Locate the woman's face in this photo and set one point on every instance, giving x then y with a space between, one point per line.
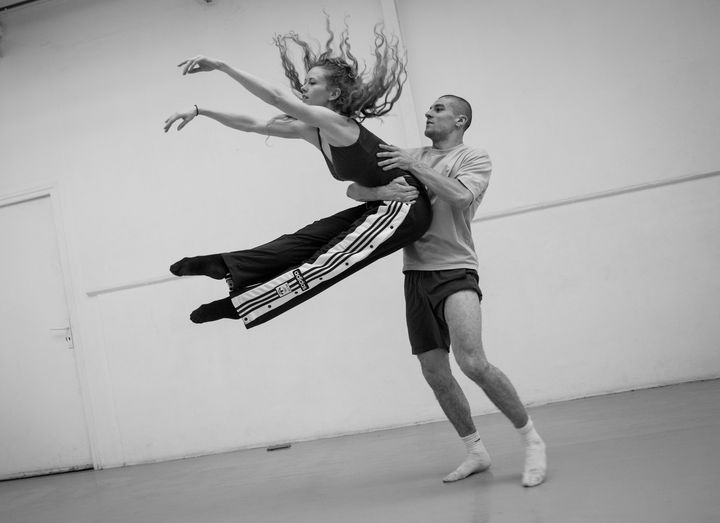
315 90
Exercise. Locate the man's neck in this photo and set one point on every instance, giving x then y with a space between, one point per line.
447 142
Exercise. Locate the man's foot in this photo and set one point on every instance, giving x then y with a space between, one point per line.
535 458
212 266
535 465
474 463
215 310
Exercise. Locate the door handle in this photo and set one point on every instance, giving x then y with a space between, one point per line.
68 335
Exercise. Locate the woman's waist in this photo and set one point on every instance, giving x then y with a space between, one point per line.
377 179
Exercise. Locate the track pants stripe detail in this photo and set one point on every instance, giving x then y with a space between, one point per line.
354 242
363 242
356 246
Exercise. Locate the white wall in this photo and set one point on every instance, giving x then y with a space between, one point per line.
577 98
572 99
574 96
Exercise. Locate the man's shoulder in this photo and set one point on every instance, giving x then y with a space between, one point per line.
471 151
459 150
473 159
460 159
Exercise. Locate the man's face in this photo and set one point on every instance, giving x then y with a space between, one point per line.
440 119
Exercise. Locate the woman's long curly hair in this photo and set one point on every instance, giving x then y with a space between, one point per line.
362 95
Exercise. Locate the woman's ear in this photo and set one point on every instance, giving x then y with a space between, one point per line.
334 93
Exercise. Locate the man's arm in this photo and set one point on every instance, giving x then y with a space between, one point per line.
397 190
449 189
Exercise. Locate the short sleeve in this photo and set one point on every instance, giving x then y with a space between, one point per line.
416 152
474 171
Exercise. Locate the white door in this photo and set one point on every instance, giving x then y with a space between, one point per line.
42 422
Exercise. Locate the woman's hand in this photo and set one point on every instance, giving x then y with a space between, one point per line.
186 118
199 64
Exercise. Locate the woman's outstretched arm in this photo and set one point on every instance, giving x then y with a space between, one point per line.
278 97
282 127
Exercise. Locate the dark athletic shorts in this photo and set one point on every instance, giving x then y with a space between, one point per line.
425 293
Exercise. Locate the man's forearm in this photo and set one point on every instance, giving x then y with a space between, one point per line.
448 189
361 193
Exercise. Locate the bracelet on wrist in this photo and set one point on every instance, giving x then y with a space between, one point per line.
197 111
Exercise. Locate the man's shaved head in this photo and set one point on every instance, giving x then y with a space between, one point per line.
460 106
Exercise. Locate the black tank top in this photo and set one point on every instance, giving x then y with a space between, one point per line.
359 162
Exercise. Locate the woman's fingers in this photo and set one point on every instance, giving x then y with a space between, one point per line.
189 65
169 121
197 64
174 118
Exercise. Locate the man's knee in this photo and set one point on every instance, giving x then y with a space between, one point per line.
473 365
435 368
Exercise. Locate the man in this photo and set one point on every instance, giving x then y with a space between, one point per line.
441 283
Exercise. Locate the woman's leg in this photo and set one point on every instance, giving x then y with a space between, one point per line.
211 265
246 268
257 265
379 232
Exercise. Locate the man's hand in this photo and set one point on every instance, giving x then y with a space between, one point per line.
398 190
396 158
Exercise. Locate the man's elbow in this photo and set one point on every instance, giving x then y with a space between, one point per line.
464 200
352 192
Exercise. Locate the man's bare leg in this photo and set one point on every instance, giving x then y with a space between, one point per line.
464 319
436 370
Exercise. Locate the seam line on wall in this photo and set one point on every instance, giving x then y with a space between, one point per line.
593 196
485 217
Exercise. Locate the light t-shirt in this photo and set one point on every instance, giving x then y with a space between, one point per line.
448 243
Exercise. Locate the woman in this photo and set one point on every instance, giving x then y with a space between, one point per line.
334 99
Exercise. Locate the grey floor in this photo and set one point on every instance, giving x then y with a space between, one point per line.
644 456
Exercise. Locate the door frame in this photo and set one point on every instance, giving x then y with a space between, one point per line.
51 191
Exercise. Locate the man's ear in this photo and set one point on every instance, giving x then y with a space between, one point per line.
461 121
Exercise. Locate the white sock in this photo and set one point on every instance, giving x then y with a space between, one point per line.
477 459
535 460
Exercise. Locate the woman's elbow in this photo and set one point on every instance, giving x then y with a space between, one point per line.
273 98
281 100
